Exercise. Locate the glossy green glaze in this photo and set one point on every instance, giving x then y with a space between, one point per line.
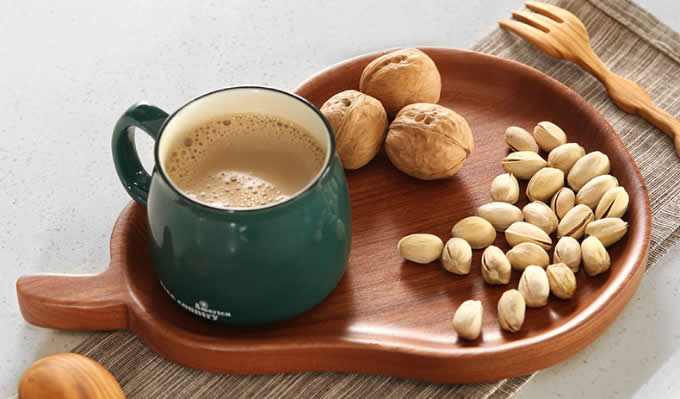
240 267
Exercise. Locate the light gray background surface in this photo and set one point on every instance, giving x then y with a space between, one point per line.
69 69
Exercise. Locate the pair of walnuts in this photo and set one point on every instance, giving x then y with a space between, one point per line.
425 140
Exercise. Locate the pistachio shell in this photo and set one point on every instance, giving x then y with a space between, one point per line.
591 192
540 214
595 257
562 280
495 266
500 214
476 231
467 321
562 202
511 310
574 223
527 253
613 204
548 135
607 230
457 256
420 248
534 286
505 188
591 165
520 140
565 156
544 184
519 232
568 251
523 164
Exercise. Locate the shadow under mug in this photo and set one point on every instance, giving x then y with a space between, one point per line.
248 265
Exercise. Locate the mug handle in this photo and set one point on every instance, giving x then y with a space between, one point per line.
130 170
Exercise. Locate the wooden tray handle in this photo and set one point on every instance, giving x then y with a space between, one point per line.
74 302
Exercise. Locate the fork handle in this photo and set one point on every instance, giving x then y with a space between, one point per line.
631 97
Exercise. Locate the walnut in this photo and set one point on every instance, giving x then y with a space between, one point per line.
359 122
428 141
401 78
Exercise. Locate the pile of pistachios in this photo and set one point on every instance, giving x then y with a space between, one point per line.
573 197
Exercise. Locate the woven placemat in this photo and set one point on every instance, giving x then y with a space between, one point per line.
620 32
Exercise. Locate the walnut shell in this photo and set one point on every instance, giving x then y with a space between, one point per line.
428 141
359 122
401 78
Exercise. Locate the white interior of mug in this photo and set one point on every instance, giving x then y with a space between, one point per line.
216 105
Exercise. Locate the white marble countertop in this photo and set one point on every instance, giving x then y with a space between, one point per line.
69 69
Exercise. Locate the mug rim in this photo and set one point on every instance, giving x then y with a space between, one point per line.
320 175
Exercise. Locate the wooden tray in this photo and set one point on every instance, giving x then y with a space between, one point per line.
386 316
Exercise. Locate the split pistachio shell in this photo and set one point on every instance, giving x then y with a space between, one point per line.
520 140
511 310
562 280
457 256
574 223
613 204
523 164
591 165
519 232
528 253
467 321
565 156
544 184
500 214
607 230
562 202
591 192
540 215
595 257
549 136
420 248
495 266
505 188
568 251
476 231
534 286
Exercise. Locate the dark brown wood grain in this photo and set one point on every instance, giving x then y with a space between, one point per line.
386 316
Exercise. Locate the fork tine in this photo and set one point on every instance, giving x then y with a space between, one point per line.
536 37
536 20
555 13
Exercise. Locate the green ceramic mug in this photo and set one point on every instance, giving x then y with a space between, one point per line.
240 266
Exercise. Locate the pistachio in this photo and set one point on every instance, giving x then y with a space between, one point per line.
505 188
562 202
495 266
467 321
476 231
607 230
420 248
500 214
595 256
591 165
574 223
568 251
511 310
519 232
565 156
540 215
457 256
527 253
548 135
591 192
534 286
520 140
562 280
544 184
613 204
523 164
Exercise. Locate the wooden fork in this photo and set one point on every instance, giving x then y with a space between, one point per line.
560 34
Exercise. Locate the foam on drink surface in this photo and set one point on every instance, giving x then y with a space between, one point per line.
244 160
